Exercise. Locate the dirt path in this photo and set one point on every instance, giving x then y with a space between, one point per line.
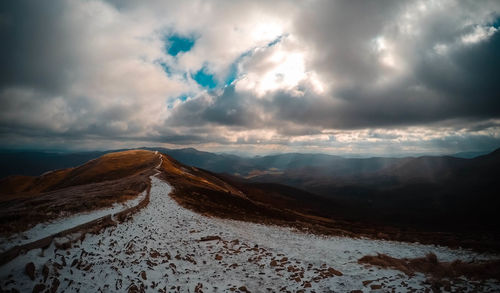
166 248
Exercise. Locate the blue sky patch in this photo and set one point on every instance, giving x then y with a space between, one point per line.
233 73
182 98
165 67
204 78
496 23
176 44
277 40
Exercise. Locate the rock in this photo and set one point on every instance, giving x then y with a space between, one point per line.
143 275
38 288
55 285
29 269
218 257
209 238
367 282
376 286
335 272
133 289
356 291
243 289
154 254
198 288
273 263
45 272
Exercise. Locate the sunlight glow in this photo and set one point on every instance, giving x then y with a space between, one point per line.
266 31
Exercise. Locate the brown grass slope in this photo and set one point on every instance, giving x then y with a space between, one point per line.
432 267
115 177
229 197
212 195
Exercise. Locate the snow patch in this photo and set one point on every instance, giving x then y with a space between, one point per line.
46 229
165 248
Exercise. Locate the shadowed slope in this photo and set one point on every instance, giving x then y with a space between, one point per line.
437 270
119 176
269 203
112 178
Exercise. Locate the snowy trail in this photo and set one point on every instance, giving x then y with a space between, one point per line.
159 250
47 229
43 230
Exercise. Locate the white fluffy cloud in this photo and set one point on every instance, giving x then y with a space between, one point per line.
315 75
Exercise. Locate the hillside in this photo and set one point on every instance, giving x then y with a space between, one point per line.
430 199
197 230
441 193
112 178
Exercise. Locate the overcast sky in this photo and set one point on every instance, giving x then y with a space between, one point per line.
368 77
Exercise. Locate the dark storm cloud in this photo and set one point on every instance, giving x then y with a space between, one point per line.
34 51
460 83
318 73
340 33
224 108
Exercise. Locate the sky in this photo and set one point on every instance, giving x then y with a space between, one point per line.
340 77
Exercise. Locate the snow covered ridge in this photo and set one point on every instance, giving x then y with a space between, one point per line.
41 232
47 229
167 248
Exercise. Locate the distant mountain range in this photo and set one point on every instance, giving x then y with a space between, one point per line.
37 162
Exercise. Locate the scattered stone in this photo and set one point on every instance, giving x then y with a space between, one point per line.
367 282
154 254
143 275
38 288
218 257
45 273
209 238
133 289
376 286
55 285
29 269
273 263
335 272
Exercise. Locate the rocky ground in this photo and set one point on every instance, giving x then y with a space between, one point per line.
167 248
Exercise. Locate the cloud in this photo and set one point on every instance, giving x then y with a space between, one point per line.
314 75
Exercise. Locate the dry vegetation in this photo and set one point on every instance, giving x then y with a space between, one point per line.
222 196
112 178
116 177
436 270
